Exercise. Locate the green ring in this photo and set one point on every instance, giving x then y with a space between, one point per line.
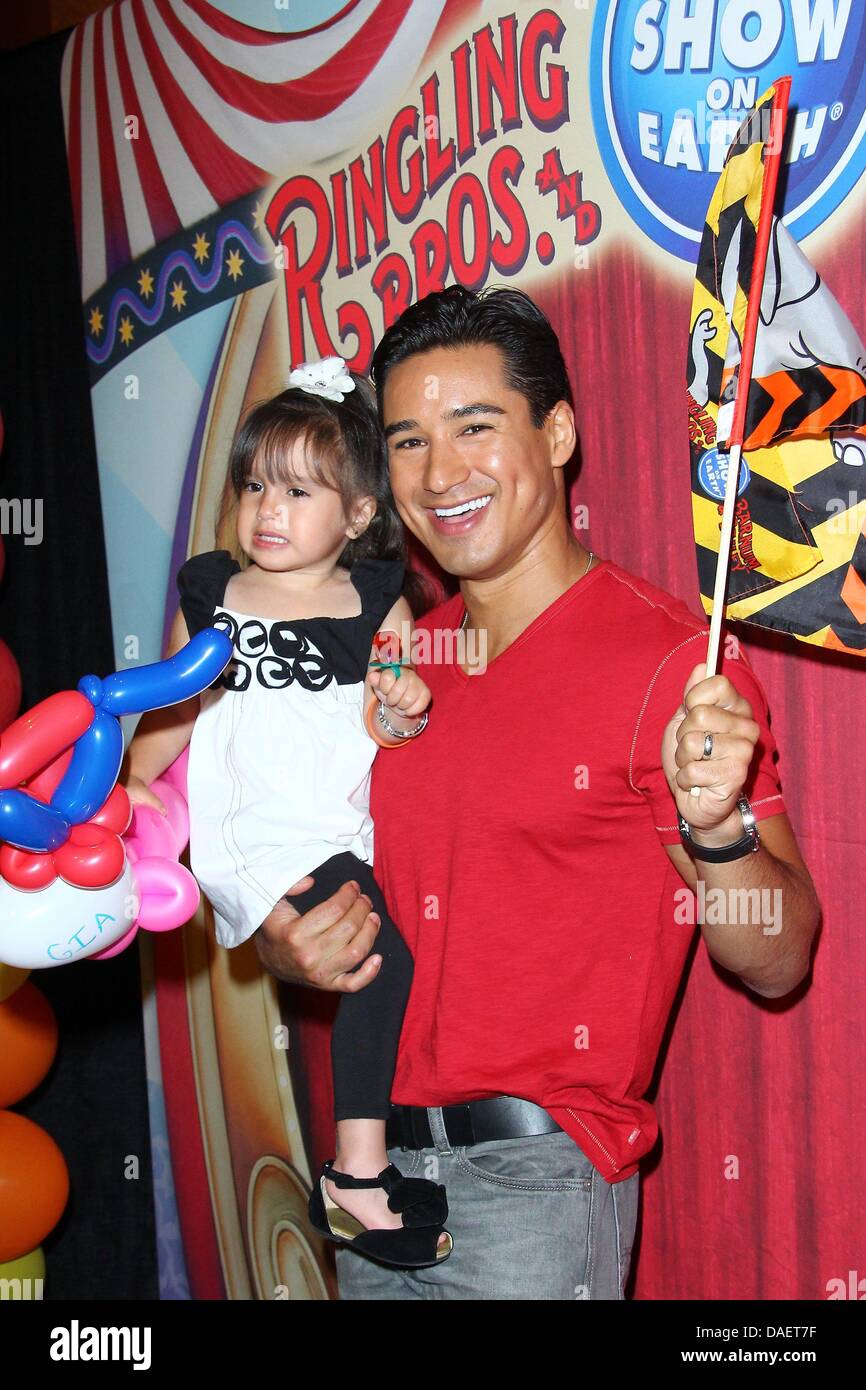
386 666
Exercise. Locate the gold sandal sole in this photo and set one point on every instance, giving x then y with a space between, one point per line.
346 1226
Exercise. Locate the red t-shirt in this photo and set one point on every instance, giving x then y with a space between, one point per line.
518 843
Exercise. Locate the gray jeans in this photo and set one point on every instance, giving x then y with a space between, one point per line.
531 1218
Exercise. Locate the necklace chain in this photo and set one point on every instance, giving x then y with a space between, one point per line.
583 576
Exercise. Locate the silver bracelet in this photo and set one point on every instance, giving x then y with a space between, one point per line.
400 733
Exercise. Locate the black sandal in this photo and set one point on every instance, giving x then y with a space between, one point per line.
423 1200
412 1245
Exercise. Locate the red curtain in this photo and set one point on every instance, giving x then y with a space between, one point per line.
776 1085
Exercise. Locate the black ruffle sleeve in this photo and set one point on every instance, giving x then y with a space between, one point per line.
380 584
201 585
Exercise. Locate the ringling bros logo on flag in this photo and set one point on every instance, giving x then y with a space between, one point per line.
472 203
672 80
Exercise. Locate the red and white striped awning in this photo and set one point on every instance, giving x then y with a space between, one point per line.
221 108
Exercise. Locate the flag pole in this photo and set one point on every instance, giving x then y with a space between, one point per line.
721 584
778 117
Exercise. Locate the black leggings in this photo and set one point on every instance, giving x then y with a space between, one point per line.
367 1026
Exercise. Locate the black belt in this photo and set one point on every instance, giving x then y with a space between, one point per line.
502 1117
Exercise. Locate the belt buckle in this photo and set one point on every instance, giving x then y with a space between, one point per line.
461 1112
406 1117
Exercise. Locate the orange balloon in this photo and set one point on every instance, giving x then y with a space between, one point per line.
34 1185
28 1042
12 977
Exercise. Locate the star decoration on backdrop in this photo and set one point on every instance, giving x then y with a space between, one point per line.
200 247
220 258
178 295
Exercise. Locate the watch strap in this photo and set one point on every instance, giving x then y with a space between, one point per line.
747 844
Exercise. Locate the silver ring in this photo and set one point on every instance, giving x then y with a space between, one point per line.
708 746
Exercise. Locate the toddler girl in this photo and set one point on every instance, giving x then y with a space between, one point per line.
281 747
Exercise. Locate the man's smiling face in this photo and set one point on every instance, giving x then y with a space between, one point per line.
472 477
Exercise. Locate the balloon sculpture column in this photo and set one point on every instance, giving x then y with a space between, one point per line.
34 1181
33 1178
79 875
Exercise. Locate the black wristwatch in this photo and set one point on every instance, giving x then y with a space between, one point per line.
747 844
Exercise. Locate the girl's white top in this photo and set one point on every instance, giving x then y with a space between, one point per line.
279 759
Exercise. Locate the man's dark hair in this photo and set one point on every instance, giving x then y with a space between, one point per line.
508 319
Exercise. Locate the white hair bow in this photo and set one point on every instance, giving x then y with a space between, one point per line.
328 377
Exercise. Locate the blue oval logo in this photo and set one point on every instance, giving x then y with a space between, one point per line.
713 474
672 79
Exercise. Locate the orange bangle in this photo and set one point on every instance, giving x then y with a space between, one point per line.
374 730
372 725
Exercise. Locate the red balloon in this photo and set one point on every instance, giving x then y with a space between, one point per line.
10 684
25 868
116 811
28 1042
45 783
40 734
92 856
34 1185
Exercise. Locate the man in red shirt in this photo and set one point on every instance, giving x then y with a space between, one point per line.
528 844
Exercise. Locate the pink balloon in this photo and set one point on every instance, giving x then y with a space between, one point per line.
177 812
169 894
169 898
118 946
151 833
154 834
144 824
153 843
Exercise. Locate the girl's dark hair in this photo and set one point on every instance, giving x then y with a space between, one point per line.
506 318
344 449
